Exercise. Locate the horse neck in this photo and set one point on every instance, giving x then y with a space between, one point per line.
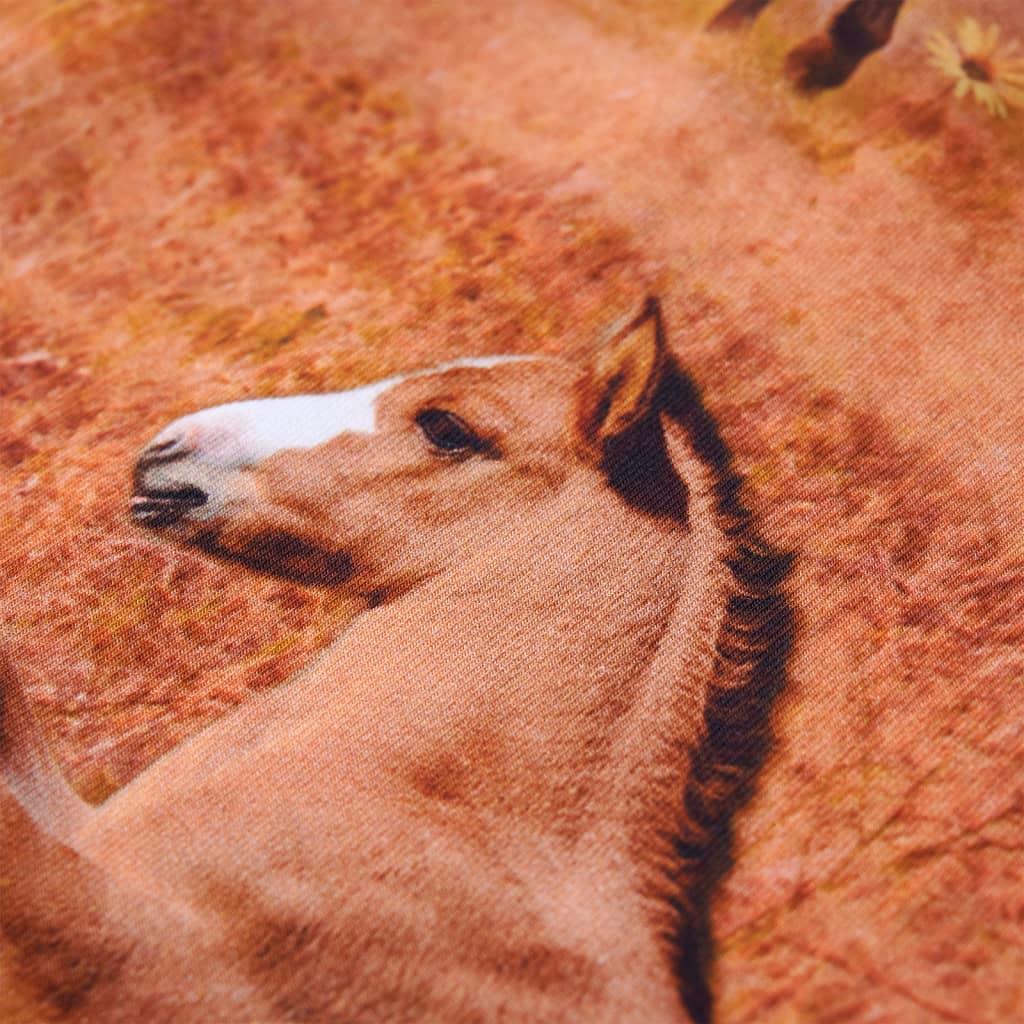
507 702
549 682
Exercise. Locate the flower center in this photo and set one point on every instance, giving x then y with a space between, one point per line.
977 69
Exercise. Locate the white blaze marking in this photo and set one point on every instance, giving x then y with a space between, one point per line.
243 433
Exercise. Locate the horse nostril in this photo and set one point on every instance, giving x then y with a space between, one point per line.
164 506
163 451
160 496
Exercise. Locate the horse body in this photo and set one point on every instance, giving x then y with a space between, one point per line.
468 807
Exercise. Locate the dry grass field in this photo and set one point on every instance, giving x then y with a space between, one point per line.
203 201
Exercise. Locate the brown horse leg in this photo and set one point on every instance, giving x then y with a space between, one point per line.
735 14
826 61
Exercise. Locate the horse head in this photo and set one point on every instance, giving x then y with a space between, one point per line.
383 486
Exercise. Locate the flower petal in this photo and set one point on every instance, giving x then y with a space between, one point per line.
970 36
1010 75
987 96
1012 95
991 39
963 87
944 56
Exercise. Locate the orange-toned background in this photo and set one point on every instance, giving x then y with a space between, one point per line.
204 201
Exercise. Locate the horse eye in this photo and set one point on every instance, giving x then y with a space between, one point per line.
446 432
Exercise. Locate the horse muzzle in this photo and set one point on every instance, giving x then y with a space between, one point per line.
169 485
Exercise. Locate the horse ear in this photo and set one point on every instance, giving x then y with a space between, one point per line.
624 377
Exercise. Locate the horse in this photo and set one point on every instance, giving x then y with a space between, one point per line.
501 793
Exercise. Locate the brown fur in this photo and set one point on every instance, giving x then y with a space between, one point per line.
461 811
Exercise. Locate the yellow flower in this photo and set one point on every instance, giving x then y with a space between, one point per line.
992 74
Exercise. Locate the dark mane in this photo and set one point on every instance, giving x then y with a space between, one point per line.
751 651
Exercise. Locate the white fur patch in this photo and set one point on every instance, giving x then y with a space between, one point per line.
244 433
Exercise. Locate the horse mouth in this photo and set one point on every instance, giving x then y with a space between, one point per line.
166 506
282 555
